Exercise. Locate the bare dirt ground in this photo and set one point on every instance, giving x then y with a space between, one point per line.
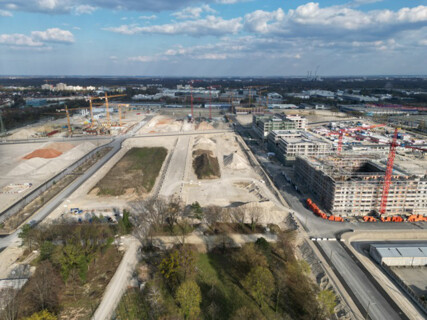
16 170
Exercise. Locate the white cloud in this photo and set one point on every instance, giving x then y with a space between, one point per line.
84 9
53 35
210 25
17 39
258 20
146 58
193 12
5 13
152 17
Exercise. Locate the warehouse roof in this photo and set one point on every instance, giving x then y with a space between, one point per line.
416 250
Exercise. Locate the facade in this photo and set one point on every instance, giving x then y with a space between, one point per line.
262 125
407 255
300 122
288 144
352 185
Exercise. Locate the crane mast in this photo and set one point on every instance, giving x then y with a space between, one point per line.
388 173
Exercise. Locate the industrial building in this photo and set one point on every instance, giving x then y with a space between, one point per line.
402 255
288 144
352 185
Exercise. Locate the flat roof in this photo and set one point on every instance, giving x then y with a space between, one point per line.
401 250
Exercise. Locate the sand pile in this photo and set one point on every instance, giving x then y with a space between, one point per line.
204 144
164 121
47 153
187 126
204 126
23 134
28 167
60 146
78 151
235 161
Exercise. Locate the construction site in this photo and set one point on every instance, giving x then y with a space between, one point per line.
353 185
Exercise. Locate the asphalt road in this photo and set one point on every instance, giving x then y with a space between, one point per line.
116 144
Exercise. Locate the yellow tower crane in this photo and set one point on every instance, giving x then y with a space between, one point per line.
106 97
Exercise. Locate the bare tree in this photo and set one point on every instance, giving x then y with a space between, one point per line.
44 287
255 212
175 208
9 304
239 215
213 214
147 216
150 215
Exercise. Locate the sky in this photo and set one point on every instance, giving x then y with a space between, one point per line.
215 38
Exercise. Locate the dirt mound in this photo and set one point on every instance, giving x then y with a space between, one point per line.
205 165
43 153
204 126
23 134
60 146
204 144
235 161
164 121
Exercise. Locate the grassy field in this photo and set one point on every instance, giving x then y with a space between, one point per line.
205 165
137 170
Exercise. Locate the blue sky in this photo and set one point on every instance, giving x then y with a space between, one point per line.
213 37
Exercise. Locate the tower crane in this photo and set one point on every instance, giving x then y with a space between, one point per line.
389 169
341 132
106 97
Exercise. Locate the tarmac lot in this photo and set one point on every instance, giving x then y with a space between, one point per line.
415 278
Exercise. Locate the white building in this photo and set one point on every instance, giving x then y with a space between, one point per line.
300 122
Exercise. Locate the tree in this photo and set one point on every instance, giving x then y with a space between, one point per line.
246 313
213 215
178 266
249 257
189 298
150 215
9 304
327 300
46 250
260 284
255 213
43 288
42 315
175 208
239 215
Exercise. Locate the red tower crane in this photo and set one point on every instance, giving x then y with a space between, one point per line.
342 131
388 172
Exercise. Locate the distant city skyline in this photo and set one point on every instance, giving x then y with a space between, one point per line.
218 38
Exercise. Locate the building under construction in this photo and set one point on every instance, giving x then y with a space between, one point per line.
352 185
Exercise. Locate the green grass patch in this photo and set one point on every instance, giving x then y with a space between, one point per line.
137 170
